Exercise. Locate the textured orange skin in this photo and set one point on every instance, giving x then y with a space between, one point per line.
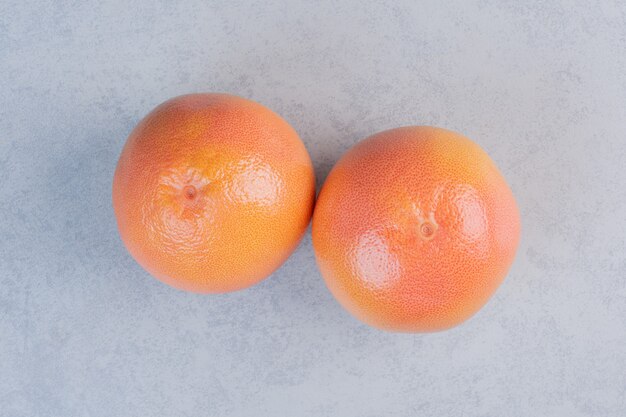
212 192
414 229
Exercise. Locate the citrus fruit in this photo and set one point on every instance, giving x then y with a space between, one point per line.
212 192
414 229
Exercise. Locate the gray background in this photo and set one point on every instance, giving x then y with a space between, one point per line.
84 331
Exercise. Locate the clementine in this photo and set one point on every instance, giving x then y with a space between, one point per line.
414 229
212 192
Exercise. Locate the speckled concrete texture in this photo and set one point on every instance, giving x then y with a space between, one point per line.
84 331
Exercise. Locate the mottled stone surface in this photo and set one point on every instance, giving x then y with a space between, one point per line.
84 331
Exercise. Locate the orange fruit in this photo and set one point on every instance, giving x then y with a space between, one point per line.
212 192
414 229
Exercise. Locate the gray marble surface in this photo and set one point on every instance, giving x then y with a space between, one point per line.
84 331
